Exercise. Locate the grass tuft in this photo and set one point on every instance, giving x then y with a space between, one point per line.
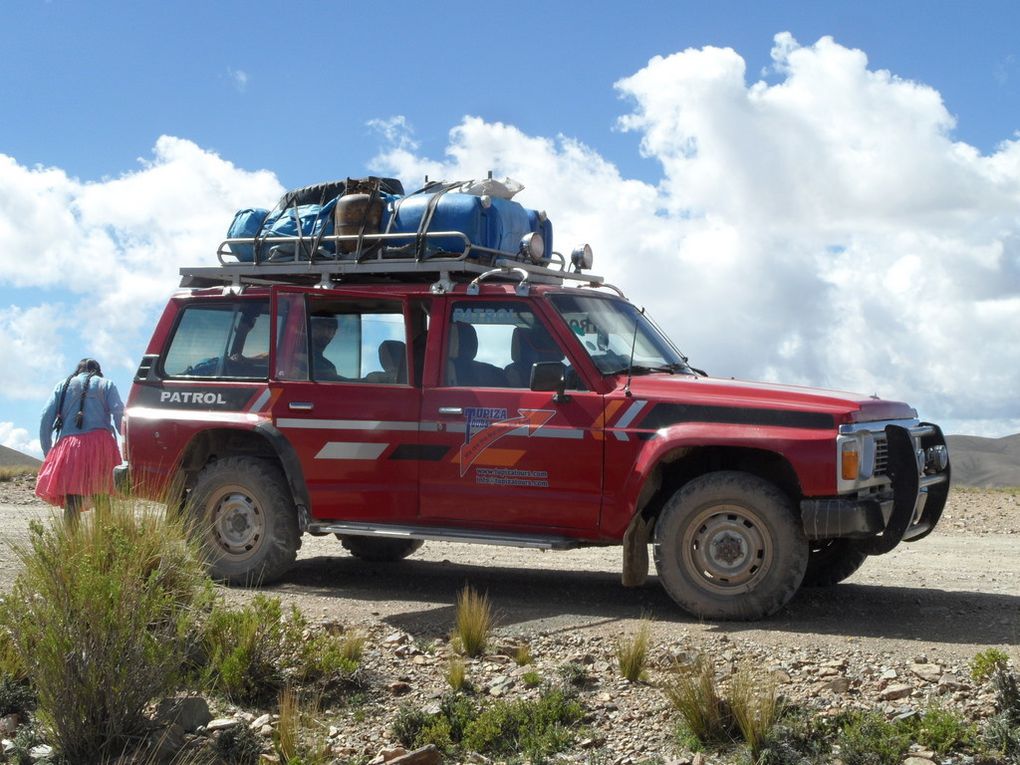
753 701
522 654
456 673
692 690
474 621
298 739
632 653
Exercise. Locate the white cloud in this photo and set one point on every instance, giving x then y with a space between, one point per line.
18 438
826 229
107 253
239 78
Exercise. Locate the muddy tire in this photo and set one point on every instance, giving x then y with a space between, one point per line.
380 550
831 561
728 546
246 520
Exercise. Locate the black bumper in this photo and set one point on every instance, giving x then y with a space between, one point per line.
906 512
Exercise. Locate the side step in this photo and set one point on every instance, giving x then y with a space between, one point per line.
440 534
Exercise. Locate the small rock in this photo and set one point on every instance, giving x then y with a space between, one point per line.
896 691
258 722
427 755
928 672
222 723
699 759
838 685
41 752
889 674
399 688
9 724
915 760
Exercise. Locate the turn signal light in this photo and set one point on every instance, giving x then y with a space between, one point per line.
850 459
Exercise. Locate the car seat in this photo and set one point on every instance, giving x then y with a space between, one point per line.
461 367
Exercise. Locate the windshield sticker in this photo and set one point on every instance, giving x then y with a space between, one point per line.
478 437
504 316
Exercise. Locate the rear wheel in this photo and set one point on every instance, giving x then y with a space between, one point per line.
728 546
380 550
247 521
831 561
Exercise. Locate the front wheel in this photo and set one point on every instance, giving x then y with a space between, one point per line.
728 546
246 520
831 561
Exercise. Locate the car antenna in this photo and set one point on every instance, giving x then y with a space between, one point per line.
630 364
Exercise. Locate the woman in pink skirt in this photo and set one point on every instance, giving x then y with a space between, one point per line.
82 417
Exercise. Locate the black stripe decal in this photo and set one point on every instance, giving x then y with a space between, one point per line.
664 415
423 452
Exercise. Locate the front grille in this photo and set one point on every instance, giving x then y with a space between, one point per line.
881 455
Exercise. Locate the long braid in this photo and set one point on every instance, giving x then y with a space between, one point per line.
80 417
58 421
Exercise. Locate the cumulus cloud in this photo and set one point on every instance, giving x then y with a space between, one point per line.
18 438
826 229
239 78
105 255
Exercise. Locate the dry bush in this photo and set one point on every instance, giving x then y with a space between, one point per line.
474 621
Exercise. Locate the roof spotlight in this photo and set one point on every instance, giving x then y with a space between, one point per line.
582 258
533 247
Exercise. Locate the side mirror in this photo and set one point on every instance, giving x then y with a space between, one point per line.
550 375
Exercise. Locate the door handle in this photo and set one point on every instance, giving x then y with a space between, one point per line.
450 410
301 406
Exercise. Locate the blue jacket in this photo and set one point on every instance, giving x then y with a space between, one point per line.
102 404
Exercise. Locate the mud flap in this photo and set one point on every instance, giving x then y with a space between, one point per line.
635 552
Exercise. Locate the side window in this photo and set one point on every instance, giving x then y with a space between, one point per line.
360 341
223 340
493 344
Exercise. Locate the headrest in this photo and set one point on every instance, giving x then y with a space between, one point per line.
463 341
391 354
533 344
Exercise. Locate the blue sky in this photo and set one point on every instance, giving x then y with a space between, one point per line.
824 193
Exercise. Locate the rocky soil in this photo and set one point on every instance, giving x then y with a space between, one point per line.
895 637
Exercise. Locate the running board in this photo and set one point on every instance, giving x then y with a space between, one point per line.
440 534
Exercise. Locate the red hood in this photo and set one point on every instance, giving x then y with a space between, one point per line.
843 406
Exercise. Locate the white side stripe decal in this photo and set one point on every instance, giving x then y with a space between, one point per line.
350 450
307 422
628 417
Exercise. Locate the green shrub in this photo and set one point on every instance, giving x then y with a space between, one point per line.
474 621
408 724
632 653
16 696
984 663
531 679
532 728
243 650
239 745
942 731
1007 694
869 739
692 690
573 676
103 615
1002 735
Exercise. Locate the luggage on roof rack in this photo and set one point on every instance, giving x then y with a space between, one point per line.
363 218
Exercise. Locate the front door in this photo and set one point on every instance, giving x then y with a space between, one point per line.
345 400
507 457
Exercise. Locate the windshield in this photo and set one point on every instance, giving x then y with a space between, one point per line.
606 328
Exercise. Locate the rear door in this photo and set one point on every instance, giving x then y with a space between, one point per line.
345 395
506 456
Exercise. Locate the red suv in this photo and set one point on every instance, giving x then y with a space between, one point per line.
395 401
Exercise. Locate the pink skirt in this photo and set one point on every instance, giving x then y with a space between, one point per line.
78 464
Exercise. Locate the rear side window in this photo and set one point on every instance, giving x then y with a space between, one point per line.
222 340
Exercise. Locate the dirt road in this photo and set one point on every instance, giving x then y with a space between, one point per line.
948 596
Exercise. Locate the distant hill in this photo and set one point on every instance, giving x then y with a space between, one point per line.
13 458
985 462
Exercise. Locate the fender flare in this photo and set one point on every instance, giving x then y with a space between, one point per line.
291 469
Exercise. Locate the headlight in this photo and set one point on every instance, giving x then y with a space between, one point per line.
582 258
533 247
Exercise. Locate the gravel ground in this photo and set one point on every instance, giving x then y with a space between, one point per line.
895 636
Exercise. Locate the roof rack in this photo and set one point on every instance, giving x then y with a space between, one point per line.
321 261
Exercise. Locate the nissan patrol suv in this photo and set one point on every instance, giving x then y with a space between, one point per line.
483 397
